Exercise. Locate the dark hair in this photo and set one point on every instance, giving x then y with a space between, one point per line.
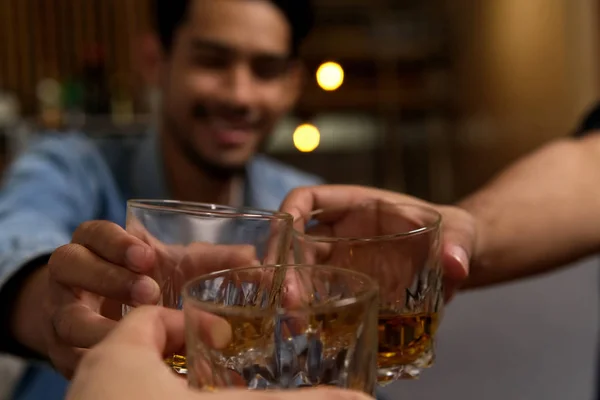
299 13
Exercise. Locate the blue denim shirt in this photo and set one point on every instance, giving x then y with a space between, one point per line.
63 180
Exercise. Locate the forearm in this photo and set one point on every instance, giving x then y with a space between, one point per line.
26 241
539 214
25 315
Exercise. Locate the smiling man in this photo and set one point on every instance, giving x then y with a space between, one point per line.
228 70
229 75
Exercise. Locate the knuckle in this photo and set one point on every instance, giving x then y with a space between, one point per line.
120 242
111 280
247 252
297 190
90 229
62 258
303 189
240 255
84 229
62 324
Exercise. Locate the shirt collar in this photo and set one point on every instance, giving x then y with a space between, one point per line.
148 173
148 179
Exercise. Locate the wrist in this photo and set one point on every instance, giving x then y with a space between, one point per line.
478 264
26 314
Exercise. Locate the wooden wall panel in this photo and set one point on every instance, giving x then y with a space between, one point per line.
49 38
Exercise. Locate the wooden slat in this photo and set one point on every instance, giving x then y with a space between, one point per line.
90 31
4 42
120 35
51 40
41 38
12 76
77 32
62 60
39 34
106 34
25 84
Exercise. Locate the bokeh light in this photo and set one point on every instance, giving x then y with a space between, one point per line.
306 138
330 76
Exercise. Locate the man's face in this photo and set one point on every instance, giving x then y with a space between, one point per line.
228 80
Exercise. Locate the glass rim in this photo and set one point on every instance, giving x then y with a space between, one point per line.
427 227
207 209
372 290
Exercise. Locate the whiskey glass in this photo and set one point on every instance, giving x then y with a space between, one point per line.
282 327
192 239
398 245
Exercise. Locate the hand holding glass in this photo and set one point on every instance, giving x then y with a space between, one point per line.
192 239
399 246
282 327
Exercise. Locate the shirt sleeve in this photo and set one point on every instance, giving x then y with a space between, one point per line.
46 193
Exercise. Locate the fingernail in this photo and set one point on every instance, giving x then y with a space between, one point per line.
136 255
145 291
461 256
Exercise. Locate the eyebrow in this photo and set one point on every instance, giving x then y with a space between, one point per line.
199 44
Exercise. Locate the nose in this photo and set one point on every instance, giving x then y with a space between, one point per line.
240 82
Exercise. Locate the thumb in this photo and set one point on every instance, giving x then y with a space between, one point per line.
458 242
302 394
157 329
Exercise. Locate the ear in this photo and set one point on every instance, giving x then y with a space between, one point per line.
149 58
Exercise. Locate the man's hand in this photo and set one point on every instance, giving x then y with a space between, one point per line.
129 365
102 262
71 304
459 232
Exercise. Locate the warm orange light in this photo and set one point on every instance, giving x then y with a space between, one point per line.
306 138
330 76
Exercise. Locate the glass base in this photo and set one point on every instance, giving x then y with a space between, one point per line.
180 370
385 376
177 363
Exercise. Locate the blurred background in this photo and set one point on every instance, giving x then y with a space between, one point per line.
436 97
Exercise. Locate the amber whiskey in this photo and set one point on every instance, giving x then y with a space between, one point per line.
404 339
178 363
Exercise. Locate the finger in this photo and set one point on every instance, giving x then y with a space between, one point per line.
204 258
455 261
79 326
302 394
279 244
207 336
115 245
157 328
458 240
75 266
301 202
213 331
202 374
312 246
65 358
